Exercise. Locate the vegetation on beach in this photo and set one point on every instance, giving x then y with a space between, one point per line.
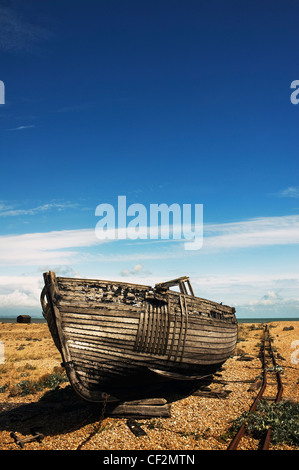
282 418
26 387
31 360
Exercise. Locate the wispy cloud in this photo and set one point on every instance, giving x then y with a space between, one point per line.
291 191
61 247
8 210
44 248
263 231
243 282
21 128
17 33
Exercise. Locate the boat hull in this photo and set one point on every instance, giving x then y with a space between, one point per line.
113 335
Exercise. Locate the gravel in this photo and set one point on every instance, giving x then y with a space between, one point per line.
196 422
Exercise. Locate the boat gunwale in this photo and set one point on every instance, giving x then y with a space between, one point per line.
146 287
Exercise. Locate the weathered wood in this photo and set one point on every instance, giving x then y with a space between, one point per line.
140 411
212 393
115 347
172 283
147 401
135 427
108 331
96 311
96 282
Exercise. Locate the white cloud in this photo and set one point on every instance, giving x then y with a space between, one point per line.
44 248
59 247
263 231
138 269
251 293
255 295
23 291
270 298
273 307
291 191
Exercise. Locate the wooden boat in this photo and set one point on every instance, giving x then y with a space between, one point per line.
111 334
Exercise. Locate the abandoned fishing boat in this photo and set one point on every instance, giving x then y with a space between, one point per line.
111 333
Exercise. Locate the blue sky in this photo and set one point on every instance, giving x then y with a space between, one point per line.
163 102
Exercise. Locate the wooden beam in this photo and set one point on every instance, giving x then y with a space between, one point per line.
173 282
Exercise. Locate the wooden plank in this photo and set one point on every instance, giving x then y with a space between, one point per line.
100 341
138 343
96 376
147 401
212 393
97 320
100 354
90 335
171 283
101 297
135 427
190 287
200 301
91 368
98 332
77 303
217 342
159 330
126 329
120 310
210 327
182 319
140 411
149 328
208 352
71 281
110 347
101 330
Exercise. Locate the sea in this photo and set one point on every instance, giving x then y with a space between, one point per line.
240 320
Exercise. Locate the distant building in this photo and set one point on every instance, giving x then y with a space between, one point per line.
24 319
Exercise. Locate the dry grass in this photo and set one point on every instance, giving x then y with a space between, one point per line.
29 353
196 422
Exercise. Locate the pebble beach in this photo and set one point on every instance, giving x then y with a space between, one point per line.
195 423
